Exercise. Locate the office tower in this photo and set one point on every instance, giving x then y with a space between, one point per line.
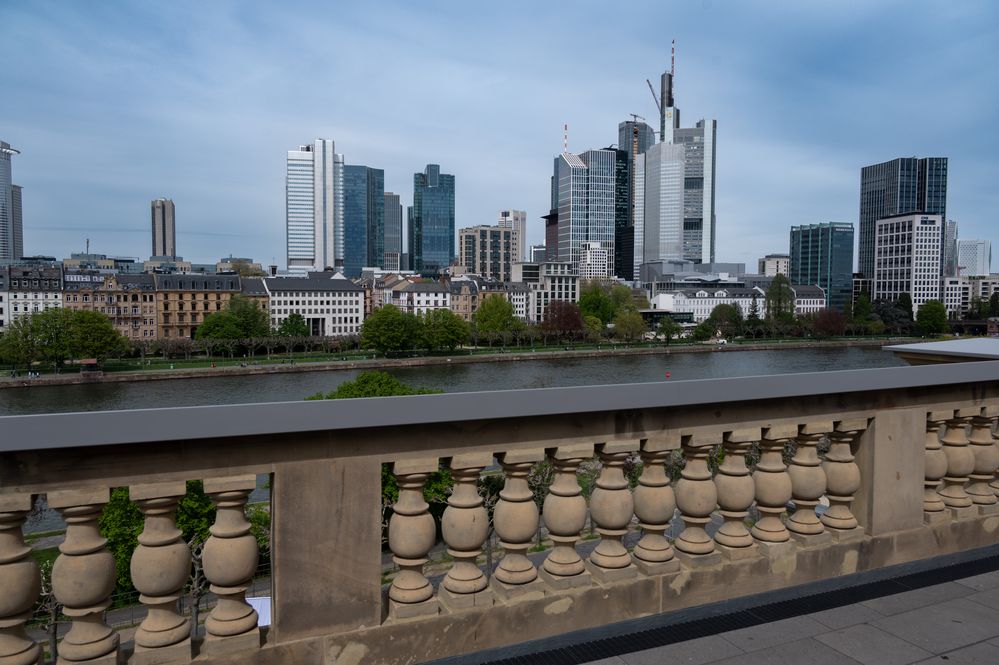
314 207
907 258
898 187
516 219
659 218
634 138
974 258
363 218
164 228
18 222
488 251
669 115
698 190
585 195
431 221
539 254
10 230
950 249
822 255
393 232
772 265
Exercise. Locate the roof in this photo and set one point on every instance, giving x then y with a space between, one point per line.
955 350
310 284
187 282
253 286
808 291
730 292
423 287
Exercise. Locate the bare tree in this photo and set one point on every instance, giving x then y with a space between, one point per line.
197 583
49 609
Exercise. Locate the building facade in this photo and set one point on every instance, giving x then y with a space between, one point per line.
184 300
11 247
593 261
960 292
314 207
431 221
392 255
4 298
772 265
698 190
164 228
907 258
363 219
33 289
541 283
974 258
129 301
331 305
421 297
950 248
585 195
822 255
898 187
659 211
488 251
516 219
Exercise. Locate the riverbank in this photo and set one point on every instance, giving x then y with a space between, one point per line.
456 358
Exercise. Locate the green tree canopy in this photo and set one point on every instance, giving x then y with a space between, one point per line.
494 315
668 329
293 326
863 309
253 321
443 330
18 345
780 299
92 335
994 304
629 324
390 330
219 325
904 305
594 300
57 335
932 318
594 327
727 318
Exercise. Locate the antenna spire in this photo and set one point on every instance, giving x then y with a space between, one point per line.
565 137
672 59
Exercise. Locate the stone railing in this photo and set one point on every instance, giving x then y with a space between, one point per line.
880 467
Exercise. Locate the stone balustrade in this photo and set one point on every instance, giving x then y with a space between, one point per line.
690 502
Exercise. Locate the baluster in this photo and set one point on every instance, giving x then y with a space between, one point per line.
936 468
230 559
83 577
736 491
654 507
160 566
516 519
20 582
696 497
412 534
565 515
960 464
808 484
465 525
992 412
773 484
611 508
842 480
986 459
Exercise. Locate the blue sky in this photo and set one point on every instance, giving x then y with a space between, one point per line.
113 104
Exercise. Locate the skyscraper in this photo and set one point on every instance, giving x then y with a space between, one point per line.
516 219
898 187
314 207
18 225
585 194
822 255
164 227
363 218
659 213
10 217
907 258
393 232
635 136
431 221
974 258
950 249
698 190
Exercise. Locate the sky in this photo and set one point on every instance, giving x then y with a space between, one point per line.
113 104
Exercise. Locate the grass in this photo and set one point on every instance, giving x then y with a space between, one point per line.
38 535
47 555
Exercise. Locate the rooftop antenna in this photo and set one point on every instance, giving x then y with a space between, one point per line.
565 138
88 246
672 59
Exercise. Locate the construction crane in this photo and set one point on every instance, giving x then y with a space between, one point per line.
655 97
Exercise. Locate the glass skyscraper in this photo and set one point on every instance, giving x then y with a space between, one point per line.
585 186
314 207
822 254
10 208
363 219
659 216
393 232
431 221
898 187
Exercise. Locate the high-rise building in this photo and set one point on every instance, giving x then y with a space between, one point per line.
516 219
772 265
363 219
950 249
659 219
907 258
974 258
431 221
164 228
488 251
698 190
18 225
634 138
539 254
314 207
393 232
10 217
822 255
585 194
899 187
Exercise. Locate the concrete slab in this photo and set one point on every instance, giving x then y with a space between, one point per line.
802 651
692 652
945 626
774 633
871 646
911 600
988 597
846 616
982 582
984 653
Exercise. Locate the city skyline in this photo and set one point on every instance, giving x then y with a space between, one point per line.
786 93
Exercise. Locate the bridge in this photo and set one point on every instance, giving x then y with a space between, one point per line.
847 472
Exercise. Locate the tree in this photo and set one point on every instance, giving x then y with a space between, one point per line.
904 305
219 325
780 299
246 269
595 301
754 310
91 335
994 304
932 318
622 297
829 323
629 324
494 315
293 326
17 344
727 318
253 321
594 327
978 309
668 329
863 309
562 319
50 330
703 331
390 330
444 330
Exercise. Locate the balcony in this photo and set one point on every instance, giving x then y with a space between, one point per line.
781 481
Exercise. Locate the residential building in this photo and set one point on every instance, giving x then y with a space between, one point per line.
184 300
808 299
164 226
772 265
164 264
585 186
254 289
331 305
516 219
548 281
10 208
464 297
898 187
907 258
392 256
363 219
593 261
950 248
128 300
959 292
421 297
314 207
974 258
488 251
431 221
822 255
659 210
33 288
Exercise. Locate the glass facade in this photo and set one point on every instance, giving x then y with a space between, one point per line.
822 255
631 131
431 222
7 250
392 245
363 219
314 207
698 190
624 229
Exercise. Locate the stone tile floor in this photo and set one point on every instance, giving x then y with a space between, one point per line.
954 623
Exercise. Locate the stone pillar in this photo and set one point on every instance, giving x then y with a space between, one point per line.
516 519
773 484
564 512
736 491
696 497
992 412
808 483
230 559
654 507
842 480
412 534
936 468
611 508
960 464
160 567
465 525
986 459
83 577
20 582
